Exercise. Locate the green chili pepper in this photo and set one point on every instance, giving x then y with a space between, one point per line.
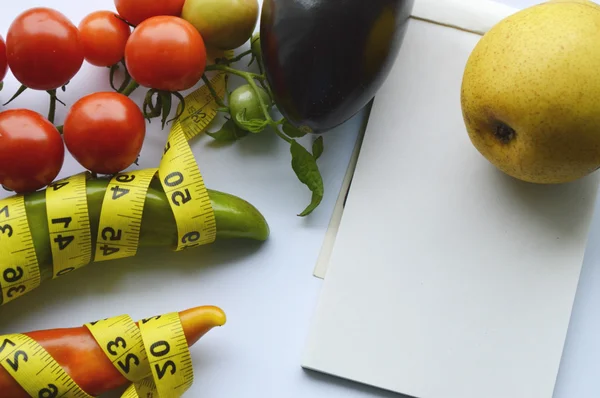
235 218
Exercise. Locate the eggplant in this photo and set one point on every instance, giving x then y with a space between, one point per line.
326 59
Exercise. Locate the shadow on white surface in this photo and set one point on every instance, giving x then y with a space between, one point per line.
350 386
545 204
98 281
579 368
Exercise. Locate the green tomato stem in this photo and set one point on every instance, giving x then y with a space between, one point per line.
267 88
268 117
111 77
149 108
261 66
166 106
250 77
52 110
131 87
237 58
234 71
281 135
180 107
19 92
258 54
126 21
213 91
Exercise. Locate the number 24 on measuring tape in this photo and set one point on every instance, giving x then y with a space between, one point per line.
121 215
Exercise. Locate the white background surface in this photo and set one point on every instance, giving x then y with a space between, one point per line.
268 290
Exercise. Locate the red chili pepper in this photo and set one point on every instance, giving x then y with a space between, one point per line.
77 352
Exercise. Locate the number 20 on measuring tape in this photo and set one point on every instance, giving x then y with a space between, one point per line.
179 198
184 186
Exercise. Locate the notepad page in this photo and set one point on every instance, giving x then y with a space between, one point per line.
448 279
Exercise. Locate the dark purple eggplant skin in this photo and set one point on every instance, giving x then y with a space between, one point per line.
326 59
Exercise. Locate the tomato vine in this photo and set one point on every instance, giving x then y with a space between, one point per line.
248 113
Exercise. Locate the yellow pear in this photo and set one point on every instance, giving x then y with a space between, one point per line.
530 93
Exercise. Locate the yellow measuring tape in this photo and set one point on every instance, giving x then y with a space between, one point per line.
165 362
121 215
186 192
168 354
154 356
69 224
121 341
35 370
19 271
122 208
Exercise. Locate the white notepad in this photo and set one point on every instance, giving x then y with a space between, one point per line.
448 279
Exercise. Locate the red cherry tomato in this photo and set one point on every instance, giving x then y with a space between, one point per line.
166 53
3 61
43 48
104 37
136 11
31 150
104 132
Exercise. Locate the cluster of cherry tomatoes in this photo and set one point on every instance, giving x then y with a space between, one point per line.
103 131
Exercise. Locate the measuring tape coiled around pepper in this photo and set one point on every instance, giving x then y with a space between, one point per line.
18 261
153 356
122 209
121 341
69 224
35 370
121 214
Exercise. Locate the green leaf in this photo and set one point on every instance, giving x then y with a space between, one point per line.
229 132
292 131
305 167
253 125
317 147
